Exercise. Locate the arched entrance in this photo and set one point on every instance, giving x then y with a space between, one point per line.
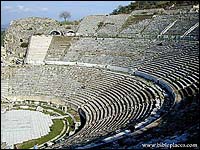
55 32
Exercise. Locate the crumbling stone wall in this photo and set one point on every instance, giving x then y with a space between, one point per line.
17 35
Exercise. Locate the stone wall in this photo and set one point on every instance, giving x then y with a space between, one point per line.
17 35
102 25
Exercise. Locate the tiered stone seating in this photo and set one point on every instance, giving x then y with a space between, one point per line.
106 51
43 81
58 47
184 22
111 107
180 71
158 24
135 27
109 99
101 25
126 52
111 25
89 25
194 33
151 26
4 87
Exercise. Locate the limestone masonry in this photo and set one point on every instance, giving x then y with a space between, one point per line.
132 79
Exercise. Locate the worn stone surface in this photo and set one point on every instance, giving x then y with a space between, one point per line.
20 31
175 62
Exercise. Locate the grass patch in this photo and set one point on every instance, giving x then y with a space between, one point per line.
77 118
69 23
32 109
18 108
48 113
37 33
74 113
56 110
55 129
71 111
71 122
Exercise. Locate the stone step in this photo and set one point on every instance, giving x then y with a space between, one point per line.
38 49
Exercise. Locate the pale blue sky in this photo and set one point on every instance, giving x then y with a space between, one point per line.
11 10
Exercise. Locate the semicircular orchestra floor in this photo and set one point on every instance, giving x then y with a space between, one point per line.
23 125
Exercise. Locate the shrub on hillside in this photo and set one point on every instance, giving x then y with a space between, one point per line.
23 45
100 24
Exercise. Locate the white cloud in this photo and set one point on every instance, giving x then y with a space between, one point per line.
20 7
7 7
27 9
23 8
44 9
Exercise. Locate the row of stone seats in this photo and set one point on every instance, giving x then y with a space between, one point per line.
42 80
129 102
106 51
113 51
158 24
182 58
120 99
89 24
58 47
178 51
153 26
180 69
136 25
4 87
182 52
184 22
195 33
112 25
135 28
103 25
159 50
127 52
150 26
